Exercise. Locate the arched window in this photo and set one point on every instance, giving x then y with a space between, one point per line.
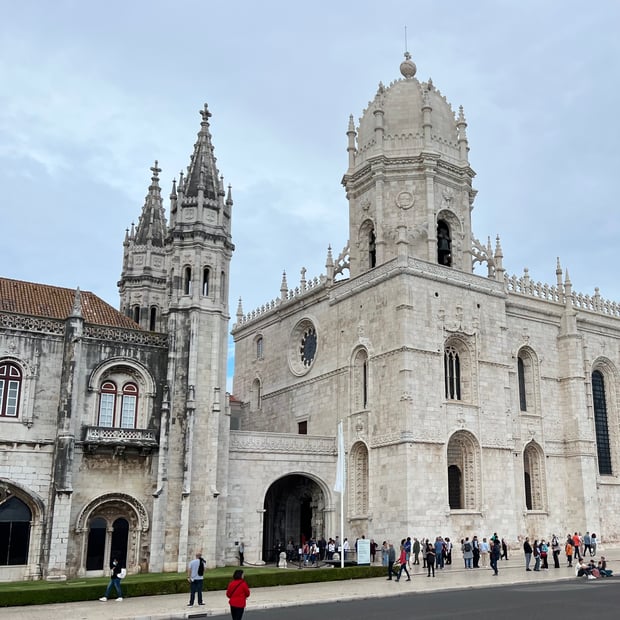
359 478
136 314
95 549
115 412
452 373
15 519
463 457
372 249
187 281
129 405
120 536
10 389
522 392
223 285
533 478
259 348
107 404
360 380
603 448
153 319
206 274
444 244
257 396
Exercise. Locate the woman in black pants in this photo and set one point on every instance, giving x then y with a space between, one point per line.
430 559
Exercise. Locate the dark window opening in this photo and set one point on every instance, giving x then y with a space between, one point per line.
365 384
153 319
528 491
187 281
302 428
15 518
95 551
455 488
444 244
452 373
136 314
601 424
206 273
372 249
120 536
522 394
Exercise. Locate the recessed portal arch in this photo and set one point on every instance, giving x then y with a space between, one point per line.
294 510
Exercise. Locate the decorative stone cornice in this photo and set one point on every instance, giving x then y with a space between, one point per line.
282 443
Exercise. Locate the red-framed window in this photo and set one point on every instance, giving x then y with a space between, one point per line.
118 410
10 389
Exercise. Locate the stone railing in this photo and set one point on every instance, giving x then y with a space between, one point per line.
305 287
132 336
31 323
102 436
282 443
592 303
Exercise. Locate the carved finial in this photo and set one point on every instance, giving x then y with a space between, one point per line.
155 170
283 286
77 303
407 67
229 200
205 115
239 311
173 192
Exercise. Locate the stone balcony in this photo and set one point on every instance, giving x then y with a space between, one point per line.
141 440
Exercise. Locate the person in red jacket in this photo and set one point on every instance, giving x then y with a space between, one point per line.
237 593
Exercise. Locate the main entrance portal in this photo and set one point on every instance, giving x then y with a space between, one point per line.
294 511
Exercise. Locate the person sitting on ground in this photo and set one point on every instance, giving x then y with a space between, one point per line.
583 570
602 568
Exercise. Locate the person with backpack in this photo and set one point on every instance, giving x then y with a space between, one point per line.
195 576
468 552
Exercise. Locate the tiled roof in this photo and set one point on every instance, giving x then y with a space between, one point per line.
54 302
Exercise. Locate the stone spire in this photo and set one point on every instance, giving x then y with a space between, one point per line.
152 224
202 174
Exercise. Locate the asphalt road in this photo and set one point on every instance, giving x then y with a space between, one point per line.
562 600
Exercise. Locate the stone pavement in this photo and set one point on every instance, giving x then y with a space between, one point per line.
174 606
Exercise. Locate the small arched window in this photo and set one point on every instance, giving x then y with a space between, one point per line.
257 394
129 405
452 374
372 249
136 314
10 389
153 319
522 390
223 285
259 348
444 244
206 274
187 281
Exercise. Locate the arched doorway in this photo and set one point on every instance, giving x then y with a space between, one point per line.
294 510
15 518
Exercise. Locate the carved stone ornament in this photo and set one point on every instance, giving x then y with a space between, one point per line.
365 204
405 200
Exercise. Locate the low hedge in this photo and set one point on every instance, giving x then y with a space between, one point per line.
43 592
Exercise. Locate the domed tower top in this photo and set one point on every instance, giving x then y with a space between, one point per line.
409 172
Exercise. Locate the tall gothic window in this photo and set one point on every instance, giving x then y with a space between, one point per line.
257 396
153 319
259 348
533 477
136 314
15 519
522 392
463 456
187 281
452 373
360 379
603 448
10 389
223 285
206 274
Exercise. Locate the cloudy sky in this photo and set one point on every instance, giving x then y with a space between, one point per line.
91 93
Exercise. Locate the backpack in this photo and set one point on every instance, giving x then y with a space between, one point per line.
201 567
467 547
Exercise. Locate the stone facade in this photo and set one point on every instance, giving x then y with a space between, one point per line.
469 403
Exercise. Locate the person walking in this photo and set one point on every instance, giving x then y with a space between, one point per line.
384 553
495 555
115 582
504 554
430 558
527 551
593 542
416 551
195 576
241 553
403 561
237 593
391 559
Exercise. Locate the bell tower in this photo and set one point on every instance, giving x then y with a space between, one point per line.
409 182
193 465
